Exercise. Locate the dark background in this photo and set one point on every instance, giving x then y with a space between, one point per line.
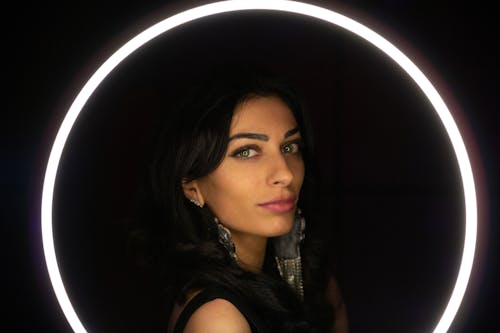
385 160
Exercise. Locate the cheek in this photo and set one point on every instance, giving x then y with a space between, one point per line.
223 193
298 171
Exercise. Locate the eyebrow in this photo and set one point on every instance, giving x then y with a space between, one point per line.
261 137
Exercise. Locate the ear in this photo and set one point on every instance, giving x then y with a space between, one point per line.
192 191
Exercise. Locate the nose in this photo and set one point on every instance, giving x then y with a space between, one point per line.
280 172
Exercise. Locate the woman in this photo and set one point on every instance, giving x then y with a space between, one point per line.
233 183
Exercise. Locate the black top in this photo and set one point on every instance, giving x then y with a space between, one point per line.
209 294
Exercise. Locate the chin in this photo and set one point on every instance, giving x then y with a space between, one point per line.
281 226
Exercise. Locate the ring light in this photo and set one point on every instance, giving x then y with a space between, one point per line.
272 5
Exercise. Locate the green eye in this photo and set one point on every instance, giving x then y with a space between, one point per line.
245 153
290 148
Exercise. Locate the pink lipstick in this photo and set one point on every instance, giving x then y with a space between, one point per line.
284 205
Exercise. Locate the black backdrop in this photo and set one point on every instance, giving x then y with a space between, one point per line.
387 166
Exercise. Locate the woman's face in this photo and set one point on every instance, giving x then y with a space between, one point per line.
255 189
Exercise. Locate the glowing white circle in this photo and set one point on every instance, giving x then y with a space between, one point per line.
284 6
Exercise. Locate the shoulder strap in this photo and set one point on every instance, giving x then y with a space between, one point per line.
209 294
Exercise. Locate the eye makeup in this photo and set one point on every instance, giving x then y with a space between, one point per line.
245 152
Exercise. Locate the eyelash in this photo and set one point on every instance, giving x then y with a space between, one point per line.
238 153
297 144
297 147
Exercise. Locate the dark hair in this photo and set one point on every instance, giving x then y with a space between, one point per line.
182 238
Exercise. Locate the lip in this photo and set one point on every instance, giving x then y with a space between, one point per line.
281 205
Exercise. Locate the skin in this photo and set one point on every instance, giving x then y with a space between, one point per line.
257 168
261 167
217 316
334 296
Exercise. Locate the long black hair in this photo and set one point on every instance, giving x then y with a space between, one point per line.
181 238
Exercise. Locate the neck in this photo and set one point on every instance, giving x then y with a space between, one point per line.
251 251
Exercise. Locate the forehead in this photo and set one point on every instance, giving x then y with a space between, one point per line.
262 114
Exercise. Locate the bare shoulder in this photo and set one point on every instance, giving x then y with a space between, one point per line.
334 296
218 315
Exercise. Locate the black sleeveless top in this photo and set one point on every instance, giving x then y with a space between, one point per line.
209 294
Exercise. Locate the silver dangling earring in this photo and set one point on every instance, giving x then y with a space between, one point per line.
287 255
196 202
226 240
